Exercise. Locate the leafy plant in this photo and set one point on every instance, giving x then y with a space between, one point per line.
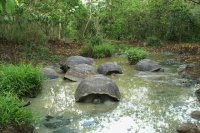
104 50
23 80
12 112
136 54
98 51
8 5
153 41
121 48
96 40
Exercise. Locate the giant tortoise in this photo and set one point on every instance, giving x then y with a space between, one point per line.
74 60
148 65
109 68
79 72
97 89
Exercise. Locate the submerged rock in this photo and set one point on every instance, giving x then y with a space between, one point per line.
97 89
109 68
148 65
189 128
55 122
74 60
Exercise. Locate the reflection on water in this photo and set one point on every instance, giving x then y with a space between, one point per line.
150 103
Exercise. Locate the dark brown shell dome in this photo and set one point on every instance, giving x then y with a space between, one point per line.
97 86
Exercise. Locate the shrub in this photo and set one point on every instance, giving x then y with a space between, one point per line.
24 80
136 54
87 50
121 48
12 112
153 41
96 40
98 51
104 50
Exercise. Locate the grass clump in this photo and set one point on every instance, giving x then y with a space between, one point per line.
98 51
23 80
121 48
153 41
136 54
12 112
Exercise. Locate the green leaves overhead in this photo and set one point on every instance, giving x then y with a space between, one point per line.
8 5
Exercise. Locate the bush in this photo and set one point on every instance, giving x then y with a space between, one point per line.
136 54
121 48
96 40
12 111
87 50
104 50
153 41
98 51
23 80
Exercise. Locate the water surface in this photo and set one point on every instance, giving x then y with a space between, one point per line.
150 103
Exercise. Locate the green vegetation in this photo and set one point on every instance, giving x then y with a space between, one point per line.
23 80
153 41
136 54
98 51
12 113
35 22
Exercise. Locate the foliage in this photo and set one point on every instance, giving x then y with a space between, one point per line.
153 41
8 5
12 112
98 51
104 50
35 22
136 54
23 80
168 20
96 40
121 48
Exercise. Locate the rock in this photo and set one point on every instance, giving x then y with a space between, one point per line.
52 123
74 60
109 68
49 73
195 115
188 129
79 72
88 123
148 65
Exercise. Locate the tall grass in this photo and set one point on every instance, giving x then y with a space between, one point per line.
98 51
23 80
12 113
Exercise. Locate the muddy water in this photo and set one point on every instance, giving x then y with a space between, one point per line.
150 103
